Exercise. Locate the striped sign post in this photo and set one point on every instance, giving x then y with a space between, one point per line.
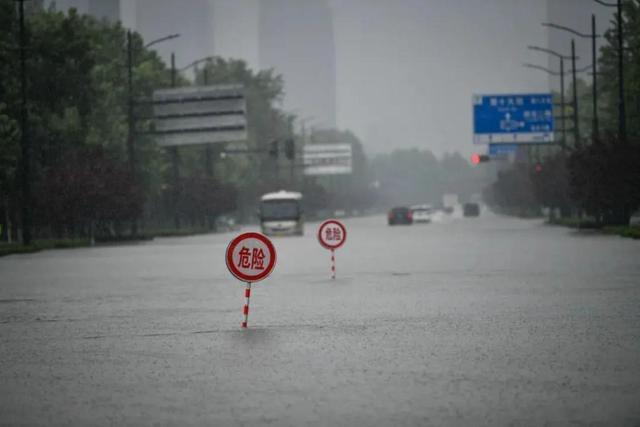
332 234
250 258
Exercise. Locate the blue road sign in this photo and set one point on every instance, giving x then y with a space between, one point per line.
502 149
513 119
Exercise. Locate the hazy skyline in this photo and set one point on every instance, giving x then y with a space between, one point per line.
405 71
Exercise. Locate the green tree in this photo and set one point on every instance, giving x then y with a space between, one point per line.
608 69
77 95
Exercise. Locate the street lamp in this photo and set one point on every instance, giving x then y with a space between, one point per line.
130 114
161 39
131 118
622 122
208 153
25 143
573 57
196 62
560 73
593 37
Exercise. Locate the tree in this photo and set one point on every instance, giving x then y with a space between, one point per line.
608 68
605 180
77 97
87 190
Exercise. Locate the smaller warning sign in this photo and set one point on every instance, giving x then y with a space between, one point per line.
332 234
251 257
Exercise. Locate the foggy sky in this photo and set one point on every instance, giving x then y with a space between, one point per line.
405 70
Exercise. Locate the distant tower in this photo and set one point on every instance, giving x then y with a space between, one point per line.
296 39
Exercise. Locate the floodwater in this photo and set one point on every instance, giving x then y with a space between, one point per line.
478 321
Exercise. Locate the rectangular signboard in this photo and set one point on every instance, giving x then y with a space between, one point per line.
327 159
502 149
513 119
199 115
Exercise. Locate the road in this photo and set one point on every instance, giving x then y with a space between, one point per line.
487 321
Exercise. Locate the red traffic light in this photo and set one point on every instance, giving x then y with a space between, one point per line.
538 168
479 158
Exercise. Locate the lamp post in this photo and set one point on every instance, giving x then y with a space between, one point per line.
208 154
25 143
131 118
622 121
173 151
562 104
131 151
592 36
576 126
560 73
573 58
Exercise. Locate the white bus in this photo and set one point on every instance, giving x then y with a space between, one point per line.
280 213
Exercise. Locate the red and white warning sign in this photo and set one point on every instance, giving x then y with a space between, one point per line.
250 257
332 234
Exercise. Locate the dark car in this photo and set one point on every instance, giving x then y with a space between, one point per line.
471 209
400 215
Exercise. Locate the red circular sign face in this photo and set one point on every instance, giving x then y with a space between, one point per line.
332 234
251 257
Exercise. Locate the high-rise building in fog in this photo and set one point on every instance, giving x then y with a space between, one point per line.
235 30
153 19
296 39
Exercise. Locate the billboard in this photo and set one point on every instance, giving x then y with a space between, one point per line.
327 159
199 115
513 119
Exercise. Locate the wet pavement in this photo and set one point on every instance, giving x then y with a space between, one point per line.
485 321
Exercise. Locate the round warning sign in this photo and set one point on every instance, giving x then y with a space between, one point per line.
332 234
251 257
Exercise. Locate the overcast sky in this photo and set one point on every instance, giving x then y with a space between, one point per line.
406 69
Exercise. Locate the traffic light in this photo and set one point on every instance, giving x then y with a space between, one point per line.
538 168
479 158
273 149
290 148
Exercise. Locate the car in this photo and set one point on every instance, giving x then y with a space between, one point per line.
400 215
471 209
422 213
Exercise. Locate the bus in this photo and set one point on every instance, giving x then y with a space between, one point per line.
280 213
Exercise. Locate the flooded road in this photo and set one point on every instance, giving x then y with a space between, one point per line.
485 321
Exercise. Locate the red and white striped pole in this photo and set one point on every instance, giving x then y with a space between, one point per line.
247 294
333 264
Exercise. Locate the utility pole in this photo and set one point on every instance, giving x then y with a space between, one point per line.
596 131
130 139
25 143
622 122
562 104
208 154
576 126
173 151
131 122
